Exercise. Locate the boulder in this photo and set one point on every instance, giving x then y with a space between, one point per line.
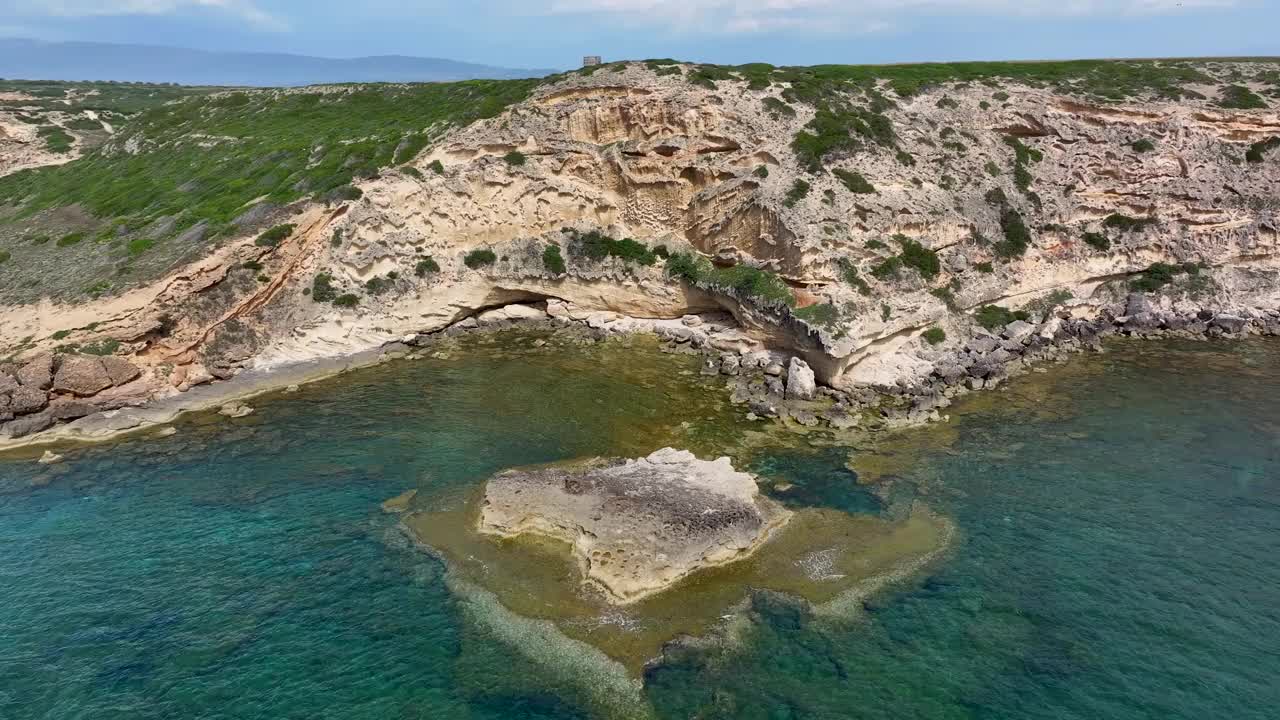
38 373
120 371
1019 330
82 375
68 409
27 399
1137 304
1229 323
982 344
235 409
28 425
800 380
730 364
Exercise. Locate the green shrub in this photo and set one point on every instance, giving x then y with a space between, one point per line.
778 108
344 193
56 139
515 158
1000 96
411 171
1124 223
934 335
1142 146
996 197
992 169
598 246
553 260
886 312
274 236
1160 274
799 189
426 265
377 285
915 255
683 266
662 252
947 296
905 158
1257 151
40 239
251 265
887 268
70 239
985 267
1239 97
849 272
61 334
348 300
876 245
761 171
479 258
436 167
1017 238
855 182
1097 241
741 281
102 347
4 256
824 315
833 131
993 317
947 103
322 289
137 246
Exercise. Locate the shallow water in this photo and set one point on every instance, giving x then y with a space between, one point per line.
1119 522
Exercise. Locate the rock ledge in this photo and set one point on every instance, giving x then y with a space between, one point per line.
636 527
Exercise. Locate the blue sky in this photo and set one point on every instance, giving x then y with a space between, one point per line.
556 33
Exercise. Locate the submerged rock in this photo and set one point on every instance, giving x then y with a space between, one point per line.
636 527
235 410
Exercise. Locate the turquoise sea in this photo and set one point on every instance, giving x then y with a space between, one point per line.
1118 552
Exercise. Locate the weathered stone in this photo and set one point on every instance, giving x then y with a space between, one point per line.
27 399
235 410
1229 323
800 380
774 369
120 371
7 384
730 364
1019 330
636 527
804 417
1137 304
982 344
82 375
774 386
38 372
68 409
28 425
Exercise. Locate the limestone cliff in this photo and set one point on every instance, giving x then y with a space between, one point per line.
915 210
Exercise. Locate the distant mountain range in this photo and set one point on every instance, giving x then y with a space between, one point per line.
23 59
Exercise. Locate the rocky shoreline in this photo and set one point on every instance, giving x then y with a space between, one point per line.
89 399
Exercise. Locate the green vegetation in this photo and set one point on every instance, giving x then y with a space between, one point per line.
1257 152
1023 157
1159 274
205 157
348 300
745 283
849 272
905 158
56 139
436 167
275 235
985 267
515 158
887 268
1124 223
4 256
915 255
102 347
1239 97
598 246
854 182
840 131
1098 241
251 265
83 124
553 260
322 289
1041 307
412 172
761 171
934 335
70 239
824 315
947 296
1017 238
993 169
799 189
946 103
426 265
479 258
1000 96
1142 146
778 108
993 317
885 312
377 285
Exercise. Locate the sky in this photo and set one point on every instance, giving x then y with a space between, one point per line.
557 33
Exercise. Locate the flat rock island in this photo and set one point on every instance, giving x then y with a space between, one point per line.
636 527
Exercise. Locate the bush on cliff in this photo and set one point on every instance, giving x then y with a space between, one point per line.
477 259
553 260
993 317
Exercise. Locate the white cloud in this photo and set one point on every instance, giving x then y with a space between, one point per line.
739 16
246 10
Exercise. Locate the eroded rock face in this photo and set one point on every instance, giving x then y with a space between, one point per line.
636 527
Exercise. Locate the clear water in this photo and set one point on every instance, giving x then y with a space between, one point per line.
1119 519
